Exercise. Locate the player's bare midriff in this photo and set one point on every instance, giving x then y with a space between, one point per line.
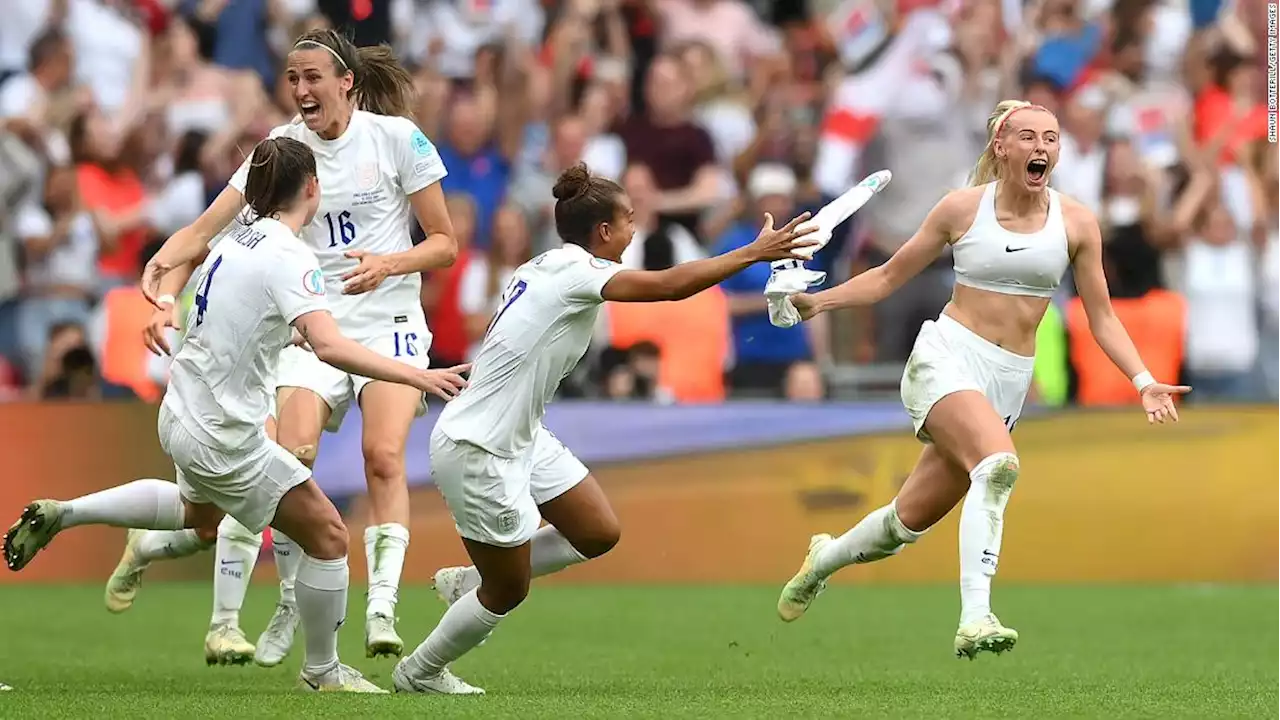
1008 321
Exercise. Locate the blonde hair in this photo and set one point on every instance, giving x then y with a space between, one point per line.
988 167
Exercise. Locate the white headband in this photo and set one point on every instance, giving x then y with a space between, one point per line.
332 52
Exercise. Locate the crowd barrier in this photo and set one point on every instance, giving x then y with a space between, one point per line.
732 493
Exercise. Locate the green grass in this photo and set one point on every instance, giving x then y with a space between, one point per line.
665 652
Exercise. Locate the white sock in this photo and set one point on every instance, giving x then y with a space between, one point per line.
465 624
981 527
384 548
236 555
288 560
322 604
549 553
877 536
169 545
149 504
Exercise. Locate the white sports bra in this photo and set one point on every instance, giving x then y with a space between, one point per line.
988 257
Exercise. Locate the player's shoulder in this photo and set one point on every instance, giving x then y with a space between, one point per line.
1074 212
955 212
1079 222
390 125
399 131
962 200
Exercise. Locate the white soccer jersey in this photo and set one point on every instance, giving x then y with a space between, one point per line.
366 176
535 339
255 283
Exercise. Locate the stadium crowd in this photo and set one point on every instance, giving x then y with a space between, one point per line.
121 119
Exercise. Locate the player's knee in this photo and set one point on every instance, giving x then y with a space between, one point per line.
501 595
334 539
999 471
600 539
306 453
383 462
326 539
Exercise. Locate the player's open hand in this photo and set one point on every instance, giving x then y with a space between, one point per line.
1157 400
366 276
782 243
155 334
154 271
444 384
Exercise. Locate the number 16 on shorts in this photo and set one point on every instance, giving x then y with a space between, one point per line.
406 344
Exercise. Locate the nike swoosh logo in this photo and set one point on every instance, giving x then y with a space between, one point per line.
1009 249
231 562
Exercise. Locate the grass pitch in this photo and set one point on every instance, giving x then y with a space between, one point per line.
668 652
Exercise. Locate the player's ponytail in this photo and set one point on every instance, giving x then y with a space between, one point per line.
988 167
278 169
583 201
383 86
380 84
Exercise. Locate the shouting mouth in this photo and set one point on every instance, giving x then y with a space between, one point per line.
1036 170
310 110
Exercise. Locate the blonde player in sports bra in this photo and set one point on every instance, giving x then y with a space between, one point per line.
1012 238
376 167
260 291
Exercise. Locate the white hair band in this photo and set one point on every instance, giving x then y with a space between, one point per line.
332 52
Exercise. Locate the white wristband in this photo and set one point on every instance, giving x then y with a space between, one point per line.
166 300
1142 380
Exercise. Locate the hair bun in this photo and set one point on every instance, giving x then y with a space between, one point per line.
572 183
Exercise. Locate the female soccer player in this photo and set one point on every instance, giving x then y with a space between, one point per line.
1012 238
259 282
500 471
375 167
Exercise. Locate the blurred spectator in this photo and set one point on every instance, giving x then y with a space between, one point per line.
60 246
116 332
235 33
530 189
23 23
664 138
447 34
77 377
1219 283
671 244
441 292
719 105
769 360
1082 160
486 277
632 374
51 375
478 166
112 54
730 28
113 192
27 99
603 151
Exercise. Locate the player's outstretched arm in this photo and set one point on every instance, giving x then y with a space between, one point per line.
880 282
1091 284
320 331
686 279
